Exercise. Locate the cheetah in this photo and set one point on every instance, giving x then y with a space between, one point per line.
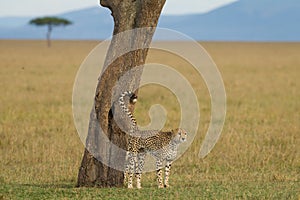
163 146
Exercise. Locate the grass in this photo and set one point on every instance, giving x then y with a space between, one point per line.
207 190
257 156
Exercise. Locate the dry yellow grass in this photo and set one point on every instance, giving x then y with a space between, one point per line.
38 139
259 143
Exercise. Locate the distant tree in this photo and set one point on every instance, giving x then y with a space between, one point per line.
50 22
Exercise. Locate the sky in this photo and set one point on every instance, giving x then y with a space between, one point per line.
52 7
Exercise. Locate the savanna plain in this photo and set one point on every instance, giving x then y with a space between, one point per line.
257 156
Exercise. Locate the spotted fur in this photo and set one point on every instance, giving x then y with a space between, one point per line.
161 145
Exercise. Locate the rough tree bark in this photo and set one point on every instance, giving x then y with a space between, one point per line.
128 15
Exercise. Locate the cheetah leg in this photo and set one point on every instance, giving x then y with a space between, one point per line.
126 169
131 164
167 173
159 173
139 169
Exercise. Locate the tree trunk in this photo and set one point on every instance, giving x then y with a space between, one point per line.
49 35
128 15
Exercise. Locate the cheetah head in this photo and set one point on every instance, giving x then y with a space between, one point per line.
180 135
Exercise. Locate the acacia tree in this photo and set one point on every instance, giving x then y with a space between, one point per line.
127 15
50 22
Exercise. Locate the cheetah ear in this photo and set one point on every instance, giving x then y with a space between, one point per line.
174 131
